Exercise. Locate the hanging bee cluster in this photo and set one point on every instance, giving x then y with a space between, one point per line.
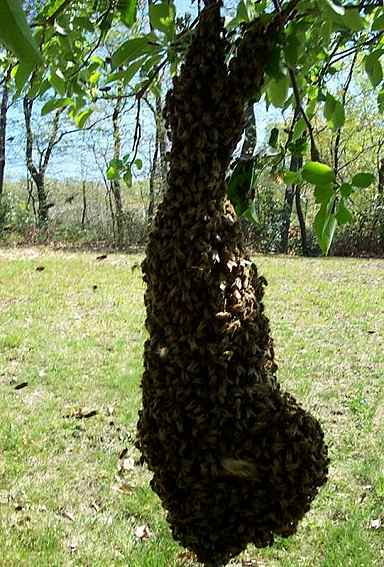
234 459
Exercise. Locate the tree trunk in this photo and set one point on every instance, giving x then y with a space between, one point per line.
3 127
380 185
295 165
152 181
115 183
300 216
42 200
215 429
84 211
162 144
38 172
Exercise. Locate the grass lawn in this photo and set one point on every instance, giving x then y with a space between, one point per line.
70 491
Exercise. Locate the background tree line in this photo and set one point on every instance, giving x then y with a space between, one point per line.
98 100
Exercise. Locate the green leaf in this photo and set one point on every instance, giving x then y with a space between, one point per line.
278 91
378 23
334 112
338 118
16 34
324 193
54 104
363 180
299 129
162 16
373 68
58 82
291 50
329 107
53 7
318 173
133 49
128 177
82 118
324 226
335 7
346 190
380 101
21 74
128 10
112 172
138 163
353 20
251 214
240 184
343 215
129 73
292 178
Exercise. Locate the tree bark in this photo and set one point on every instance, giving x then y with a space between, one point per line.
295 165
84 211
116 183
3 127
162 143
152 181
380 185
300 216
38 172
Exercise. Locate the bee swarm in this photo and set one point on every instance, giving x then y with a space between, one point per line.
234 459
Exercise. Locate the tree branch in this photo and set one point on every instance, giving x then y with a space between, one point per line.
315 154
343 99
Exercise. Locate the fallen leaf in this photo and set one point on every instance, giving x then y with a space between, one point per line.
95 506
123 453
110 410
123 487
67 515
376 524
127 464
21 385
143 532
82 413
72 546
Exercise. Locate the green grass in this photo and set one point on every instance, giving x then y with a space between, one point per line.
66 499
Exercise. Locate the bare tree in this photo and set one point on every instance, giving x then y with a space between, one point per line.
3 125
38 171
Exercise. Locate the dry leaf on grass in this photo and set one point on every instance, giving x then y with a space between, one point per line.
83 413
123 453
143 532
72 546
124 487
376 524
127 464
21 385
67 515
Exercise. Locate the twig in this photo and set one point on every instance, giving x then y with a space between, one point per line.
137 135
343 99
315 154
